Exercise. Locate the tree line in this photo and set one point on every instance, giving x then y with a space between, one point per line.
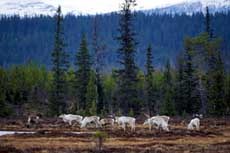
19 35
197 84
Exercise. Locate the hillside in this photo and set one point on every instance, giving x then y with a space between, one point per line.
24 39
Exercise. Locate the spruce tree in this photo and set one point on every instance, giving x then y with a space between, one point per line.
127 73
215 72
98 62
215 80
3 108
151 98
208 28
59 69
190 81
91 95
180 101
168 107
227 93
83 65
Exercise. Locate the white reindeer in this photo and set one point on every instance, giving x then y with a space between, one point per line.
123 120
91 119
194 124
69 118
164 117
107 121
158 122
32 119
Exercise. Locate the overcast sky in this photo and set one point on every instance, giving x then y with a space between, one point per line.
103 6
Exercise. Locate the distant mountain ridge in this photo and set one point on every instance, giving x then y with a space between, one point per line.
38 7
193 6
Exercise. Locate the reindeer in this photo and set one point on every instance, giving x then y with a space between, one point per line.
157 122
33 120
69 118
107 121
160 122
123 120
194 124
91 119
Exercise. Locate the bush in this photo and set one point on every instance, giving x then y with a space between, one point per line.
100 137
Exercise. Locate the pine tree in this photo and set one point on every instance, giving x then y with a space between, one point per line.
168 107
91 96
190 81
215 80
3 108
180 101
83 65
215 72
227 94
208 28
59 68
98 62
128 98
151 99
71 80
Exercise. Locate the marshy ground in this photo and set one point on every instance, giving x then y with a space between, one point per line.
55 137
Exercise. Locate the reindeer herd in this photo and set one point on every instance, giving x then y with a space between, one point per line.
159 122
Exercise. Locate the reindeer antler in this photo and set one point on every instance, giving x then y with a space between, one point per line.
146 115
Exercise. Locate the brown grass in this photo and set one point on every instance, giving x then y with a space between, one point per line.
211 139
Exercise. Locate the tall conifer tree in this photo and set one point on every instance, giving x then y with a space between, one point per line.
215 72
215 80
191 82
208 27
168 107
180 101
151 98
98 61
128 98
91 96
59 68
83 65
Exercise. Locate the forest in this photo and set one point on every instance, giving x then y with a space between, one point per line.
120 63
19 37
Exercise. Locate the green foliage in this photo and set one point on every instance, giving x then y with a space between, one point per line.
109 85
100 138
128 94
227 93
98 48
91 96
150 89
168 107
102 107
3 107
131 113
215 79
59 69
83 65
190 80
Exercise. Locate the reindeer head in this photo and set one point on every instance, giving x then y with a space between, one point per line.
146 122
61 116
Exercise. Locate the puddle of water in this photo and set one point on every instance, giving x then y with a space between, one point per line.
2 133
81 132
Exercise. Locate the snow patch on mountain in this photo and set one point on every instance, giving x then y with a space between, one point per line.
48 7
193 6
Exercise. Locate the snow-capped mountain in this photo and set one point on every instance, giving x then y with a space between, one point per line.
30 8
25 7
48 7
193 6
